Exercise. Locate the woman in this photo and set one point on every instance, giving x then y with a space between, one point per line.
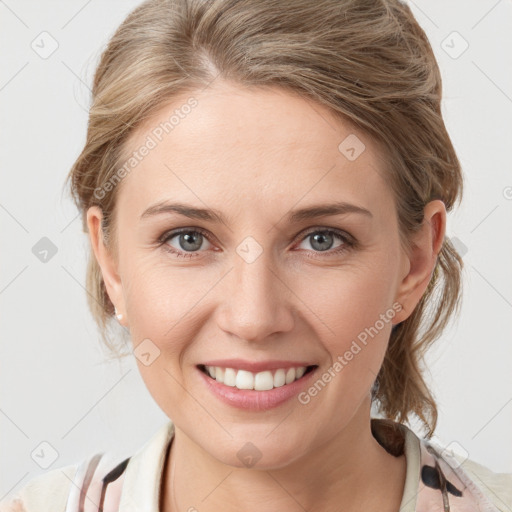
265 187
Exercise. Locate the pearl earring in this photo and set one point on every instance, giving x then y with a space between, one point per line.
119 316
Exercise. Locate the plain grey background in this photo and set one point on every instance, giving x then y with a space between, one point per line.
57 388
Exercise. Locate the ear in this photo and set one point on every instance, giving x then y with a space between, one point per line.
106 261
421 261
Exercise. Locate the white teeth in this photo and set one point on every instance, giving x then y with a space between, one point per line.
219 373
230 377
262 381
299 372
279 378
244 380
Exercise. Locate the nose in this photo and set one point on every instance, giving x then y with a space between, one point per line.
256 299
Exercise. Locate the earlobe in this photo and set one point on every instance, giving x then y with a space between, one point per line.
105 260
422 258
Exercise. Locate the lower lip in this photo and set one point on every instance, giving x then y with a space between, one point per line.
249 399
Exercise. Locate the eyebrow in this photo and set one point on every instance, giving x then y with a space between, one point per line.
212 215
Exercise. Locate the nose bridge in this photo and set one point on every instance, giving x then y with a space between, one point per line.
256 303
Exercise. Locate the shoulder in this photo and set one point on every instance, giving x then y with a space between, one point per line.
498 486
440 479
466 481
65 489
46 492
96 482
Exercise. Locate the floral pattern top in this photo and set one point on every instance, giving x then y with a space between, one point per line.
436 479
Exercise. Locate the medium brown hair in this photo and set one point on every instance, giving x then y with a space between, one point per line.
368 61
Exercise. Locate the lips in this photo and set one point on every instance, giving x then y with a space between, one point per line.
264 394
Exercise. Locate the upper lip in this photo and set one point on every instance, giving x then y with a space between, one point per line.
255 366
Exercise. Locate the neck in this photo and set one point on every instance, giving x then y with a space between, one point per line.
352 469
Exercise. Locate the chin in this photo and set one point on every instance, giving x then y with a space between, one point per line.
258 453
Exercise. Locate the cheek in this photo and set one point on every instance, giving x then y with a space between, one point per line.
165 313
354 329
345 301
353 312
161 297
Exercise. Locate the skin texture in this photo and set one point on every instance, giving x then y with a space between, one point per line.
255 155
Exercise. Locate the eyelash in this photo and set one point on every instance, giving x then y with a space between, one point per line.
348 241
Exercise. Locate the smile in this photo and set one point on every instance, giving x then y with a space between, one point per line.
261 381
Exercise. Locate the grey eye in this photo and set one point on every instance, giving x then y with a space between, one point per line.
188 240
322 240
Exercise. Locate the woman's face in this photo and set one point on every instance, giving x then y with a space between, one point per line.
271 281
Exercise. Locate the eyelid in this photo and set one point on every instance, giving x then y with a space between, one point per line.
174 232
339 232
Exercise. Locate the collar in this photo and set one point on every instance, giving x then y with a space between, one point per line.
142 478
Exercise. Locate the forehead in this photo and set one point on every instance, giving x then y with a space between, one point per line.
261 146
